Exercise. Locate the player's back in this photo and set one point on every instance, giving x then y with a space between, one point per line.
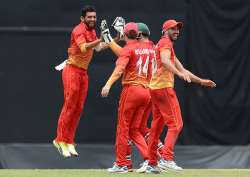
139 68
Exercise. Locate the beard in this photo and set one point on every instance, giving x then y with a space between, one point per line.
173 37
91 25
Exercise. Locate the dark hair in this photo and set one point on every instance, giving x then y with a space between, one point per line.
132 34
86 9
144 34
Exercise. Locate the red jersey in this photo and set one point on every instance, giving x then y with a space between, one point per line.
80 34
137 57
163 78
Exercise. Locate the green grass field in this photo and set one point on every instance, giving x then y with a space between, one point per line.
103 173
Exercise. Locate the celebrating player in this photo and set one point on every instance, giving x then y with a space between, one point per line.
134 63
166 109
75 80
140 123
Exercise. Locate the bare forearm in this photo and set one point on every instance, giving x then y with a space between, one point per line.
101 46
115 48
86 46
115 75
178 65
193 77
93 44
169 66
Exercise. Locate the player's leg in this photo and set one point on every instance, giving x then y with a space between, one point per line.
145 130
125 114
71 85
171 112
144 123
80 107
129 156
139 139
157 126
140 101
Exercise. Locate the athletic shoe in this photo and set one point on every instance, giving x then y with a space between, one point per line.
72 150
168 165
62 148
130 169
152 169
143 167
118 169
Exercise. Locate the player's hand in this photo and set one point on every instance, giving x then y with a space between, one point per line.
208 83
185 76
105 91
119 24
105 33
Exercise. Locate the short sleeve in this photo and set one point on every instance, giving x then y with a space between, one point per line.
79 37
124 57
164 44
122 61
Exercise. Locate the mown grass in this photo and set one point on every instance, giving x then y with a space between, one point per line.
103 173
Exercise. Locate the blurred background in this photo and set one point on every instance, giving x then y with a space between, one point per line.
214 44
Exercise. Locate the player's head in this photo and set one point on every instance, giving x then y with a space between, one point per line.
131 30
143 31
171 28
89 16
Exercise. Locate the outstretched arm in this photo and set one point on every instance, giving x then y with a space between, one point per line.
178 65
108 40
115 48
101 46
112 45
203 82
194 78
84 47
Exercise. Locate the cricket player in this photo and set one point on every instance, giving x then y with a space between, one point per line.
75 80
166 109
139 125
133 63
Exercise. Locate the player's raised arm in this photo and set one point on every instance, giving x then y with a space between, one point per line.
118 25
84 47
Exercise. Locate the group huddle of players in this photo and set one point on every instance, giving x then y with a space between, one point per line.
147 72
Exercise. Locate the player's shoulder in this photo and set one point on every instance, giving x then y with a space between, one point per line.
131 45
164 41
149 44
80 28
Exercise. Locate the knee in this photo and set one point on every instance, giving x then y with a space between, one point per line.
177 128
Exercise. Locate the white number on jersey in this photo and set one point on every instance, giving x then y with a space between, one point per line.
139 64
142 68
